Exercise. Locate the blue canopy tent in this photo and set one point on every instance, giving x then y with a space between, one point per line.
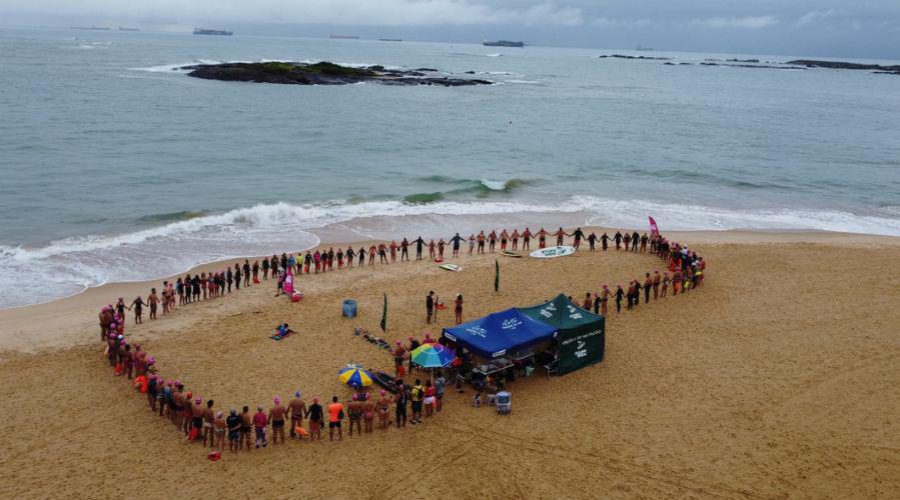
495 334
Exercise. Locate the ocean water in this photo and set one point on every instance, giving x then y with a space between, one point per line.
116 167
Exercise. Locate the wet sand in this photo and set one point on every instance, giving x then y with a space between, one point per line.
776 378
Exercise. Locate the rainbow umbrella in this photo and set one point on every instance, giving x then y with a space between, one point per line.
355 376
432 356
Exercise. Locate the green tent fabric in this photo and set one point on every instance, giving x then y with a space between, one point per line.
581 335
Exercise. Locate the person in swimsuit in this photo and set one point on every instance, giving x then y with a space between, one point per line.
152 392
372 251
297 408
471 243
665 284
458 308
480 239
604 241
208 416
383 406
219 431
233 422
619 294
592 241
492 241
440 245
634 241
276 417
196 410
604 298
526 239
586 303
542 238
265 269
430 400
578 234
504 237
246 427
335 412
316 419
137 306
368 413
656 280
356 409
404 250
515 239
393 247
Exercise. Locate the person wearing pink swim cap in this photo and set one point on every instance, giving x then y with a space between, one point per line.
355 409
399 353
276 416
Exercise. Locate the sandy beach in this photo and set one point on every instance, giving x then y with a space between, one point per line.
777 378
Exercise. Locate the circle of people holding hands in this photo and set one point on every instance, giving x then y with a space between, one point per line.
245 429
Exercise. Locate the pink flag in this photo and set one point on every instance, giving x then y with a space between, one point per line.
654 229
288 285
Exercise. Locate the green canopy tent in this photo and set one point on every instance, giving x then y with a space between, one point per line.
581 334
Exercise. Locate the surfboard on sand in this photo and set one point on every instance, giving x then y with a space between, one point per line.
451 267
552 252
507 253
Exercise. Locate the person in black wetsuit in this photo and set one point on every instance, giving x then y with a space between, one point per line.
592 239
604 241
619 294
578 234
635 239
350 255
229 278
284 262
265 268
618 239
246 272
455 241
362 256
404 250
419 243
237 277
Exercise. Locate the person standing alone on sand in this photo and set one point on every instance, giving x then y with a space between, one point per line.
458 308
401 399
429 306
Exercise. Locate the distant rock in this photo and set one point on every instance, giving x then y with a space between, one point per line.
760 66
321 73
809 63
646 58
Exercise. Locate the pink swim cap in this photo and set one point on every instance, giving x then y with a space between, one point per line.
356 397
383 392
277 400
198 400
316 399
218 414
399 343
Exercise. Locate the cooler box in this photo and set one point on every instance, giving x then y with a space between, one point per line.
504 404
349 308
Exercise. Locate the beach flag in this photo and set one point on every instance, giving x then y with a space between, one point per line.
384 315
654 229
288 285
496 275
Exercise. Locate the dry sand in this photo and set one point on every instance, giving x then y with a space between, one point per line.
777 378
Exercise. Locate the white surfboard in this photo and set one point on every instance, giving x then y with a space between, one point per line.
451 267
552 252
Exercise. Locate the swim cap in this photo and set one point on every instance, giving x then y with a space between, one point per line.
152 376
383 392
120 337
219 414
198 400
399 343
277 400
151 360
356 397
233 411
189 393
297 394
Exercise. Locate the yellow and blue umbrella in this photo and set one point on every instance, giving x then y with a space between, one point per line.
432 356
355 376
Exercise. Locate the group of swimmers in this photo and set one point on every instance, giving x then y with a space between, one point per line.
198 420
685 265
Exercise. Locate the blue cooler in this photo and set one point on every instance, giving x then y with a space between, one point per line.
349 308
504 402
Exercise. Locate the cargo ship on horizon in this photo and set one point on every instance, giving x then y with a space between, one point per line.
503 43
204 31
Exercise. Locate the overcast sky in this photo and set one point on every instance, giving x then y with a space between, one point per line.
817 27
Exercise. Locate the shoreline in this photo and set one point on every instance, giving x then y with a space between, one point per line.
64 322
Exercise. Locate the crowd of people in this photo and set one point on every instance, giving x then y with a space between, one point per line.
199 421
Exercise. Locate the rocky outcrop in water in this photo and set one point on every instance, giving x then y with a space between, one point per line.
809 63
646 58
321 73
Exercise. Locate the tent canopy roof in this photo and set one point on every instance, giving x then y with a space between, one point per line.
497 333
561 313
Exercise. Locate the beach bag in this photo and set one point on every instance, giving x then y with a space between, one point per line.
401 371
255 280
195 433
214 455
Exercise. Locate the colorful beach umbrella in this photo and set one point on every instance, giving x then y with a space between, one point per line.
432 356
355 376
